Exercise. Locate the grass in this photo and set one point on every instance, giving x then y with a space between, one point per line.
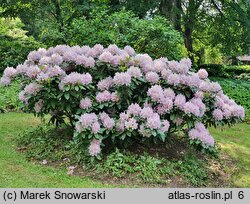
16 171
235 141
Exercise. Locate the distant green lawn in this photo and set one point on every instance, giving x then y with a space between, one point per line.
16 171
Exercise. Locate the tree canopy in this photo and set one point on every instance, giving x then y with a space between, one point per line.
209 27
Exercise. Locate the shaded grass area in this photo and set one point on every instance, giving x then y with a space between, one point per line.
16 171
162 166
235 141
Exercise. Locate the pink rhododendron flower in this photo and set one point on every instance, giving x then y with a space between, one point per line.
159 65
154 122
122 79
105 84
165 126
180 101
173 79
56 59
202 73
202 134
32 88
106 57
88 119
217 114
104 96
95 147
169 93
9 72
156 93
76 78
131 124
191 108
146 112
85 103
134 72
95 127
5 81
129 50
152 77
134 109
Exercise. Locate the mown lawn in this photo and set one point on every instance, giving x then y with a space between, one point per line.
235 141
16 171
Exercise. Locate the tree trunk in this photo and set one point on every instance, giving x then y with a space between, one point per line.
189 25
59 17
178 11
234 60
166 9
189 41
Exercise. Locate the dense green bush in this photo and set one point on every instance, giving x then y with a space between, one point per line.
14 51
9 97
219 70
14 43
214 69
155 37
233 71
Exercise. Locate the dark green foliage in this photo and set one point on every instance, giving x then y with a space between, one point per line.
214 69
155 37
193 170
233 71
9 97
14 51
226 71
14 43
41 142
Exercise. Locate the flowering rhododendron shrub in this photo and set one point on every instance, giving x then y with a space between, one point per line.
113 96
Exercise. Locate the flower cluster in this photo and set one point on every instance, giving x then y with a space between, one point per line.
95 147
106 96
85 103
227 108
122 79
199 132
75 78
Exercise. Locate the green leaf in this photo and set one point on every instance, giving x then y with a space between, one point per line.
77 88
154 133
162 136
66 95
123 136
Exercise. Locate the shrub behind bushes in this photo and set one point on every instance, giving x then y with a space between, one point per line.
216 70
155 37
9 97
14 44
234 71
14 51
219 70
